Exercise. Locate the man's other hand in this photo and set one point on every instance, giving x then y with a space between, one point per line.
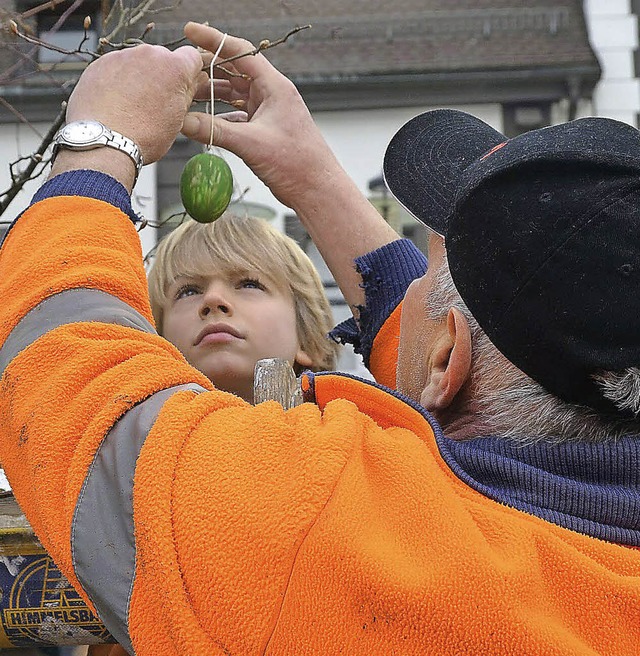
142 92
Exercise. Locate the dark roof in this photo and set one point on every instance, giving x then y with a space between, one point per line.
381 53
365 37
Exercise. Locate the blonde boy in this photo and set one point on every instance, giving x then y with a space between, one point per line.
232 292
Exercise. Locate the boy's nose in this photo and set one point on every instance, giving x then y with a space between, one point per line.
214 300
206 309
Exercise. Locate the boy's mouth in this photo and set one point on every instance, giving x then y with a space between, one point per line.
217 332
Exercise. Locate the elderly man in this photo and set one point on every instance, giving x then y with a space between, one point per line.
197 524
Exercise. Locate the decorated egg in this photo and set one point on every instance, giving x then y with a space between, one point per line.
206 185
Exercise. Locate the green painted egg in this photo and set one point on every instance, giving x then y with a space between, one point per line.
206 185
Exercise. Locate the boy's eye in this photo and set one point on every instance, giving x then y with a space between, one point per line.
186 290
251 283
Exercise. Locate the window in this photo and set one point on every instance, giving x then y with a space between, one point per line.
68 34
522 117
395 215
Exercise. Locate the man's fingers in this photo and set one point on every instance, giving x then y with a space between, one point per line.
221 88
192 59
225 71
197 126
210 38
234 117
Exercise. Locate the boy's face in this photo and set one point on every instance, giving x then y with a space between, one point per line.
224 323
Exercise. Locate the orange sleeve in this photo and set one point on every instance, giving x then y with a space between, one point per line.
329 528
61 394
384 354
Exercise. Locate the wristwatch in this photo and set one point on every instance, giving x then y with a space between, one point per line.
87 135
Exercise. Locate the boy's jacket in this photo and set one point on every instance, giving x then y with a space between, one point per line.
195 523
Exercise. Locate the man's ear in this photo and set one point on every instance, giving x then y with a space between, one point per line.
449 363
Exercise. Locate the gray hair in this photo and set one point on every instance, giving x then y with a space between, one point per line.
502 400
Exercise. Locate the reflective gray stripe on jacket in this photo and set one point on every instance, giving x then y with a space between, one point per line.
102 537
70 306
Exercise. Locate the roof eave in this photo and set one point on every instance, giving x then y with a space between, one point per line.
447 88
375 91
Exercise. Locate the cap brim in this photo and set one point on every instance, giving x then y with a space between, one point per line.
424 160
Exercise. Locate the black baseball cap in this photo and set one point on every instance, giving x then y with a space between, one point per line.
542 234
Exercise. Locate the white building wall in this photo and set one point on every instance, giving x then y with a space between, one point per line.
359 139
613 32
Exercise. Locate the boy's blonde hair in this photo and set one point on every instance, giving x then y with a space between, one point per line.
243 242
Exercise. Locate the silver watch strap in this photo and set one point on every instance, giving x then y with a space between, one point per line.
126 145
109 138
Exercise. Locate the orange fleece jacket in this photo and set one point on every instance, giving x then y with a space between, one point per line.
330 528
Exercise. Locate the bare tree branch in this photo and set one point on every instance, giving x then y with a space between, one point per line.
50 4
67 12
36 158
78 52
126 16
265 44
21 117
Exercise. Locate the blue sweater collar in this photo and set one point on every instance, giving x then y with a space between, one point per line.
591 488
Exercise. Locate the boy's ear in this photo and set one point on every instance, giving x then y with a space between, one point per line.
449 362
303 359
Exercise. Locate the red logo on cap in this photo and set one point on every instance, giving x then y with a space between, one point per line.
493 150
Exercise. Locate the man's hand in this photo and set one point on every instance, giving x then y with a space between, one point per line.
142 92
279 140
275 135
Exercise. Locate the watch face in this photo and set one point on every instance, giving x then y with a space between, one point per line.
82 132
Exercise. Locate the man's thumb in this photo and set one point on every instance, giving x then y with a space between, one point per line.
191 126
197 126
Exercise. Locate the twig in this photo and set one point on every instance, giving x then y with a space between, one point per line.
67 12
176 42
158 224
36 158
85 37
147 29
265 44
229 72
21 117
141 10
130 43
129 16
16 175
28 57
158 10
106 20
50 4
50 46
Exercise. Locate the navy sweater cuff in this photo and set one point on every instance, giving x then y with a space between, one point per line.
386 274
90 184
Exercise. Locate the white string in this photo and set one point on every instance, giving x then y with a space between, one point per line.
213 111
